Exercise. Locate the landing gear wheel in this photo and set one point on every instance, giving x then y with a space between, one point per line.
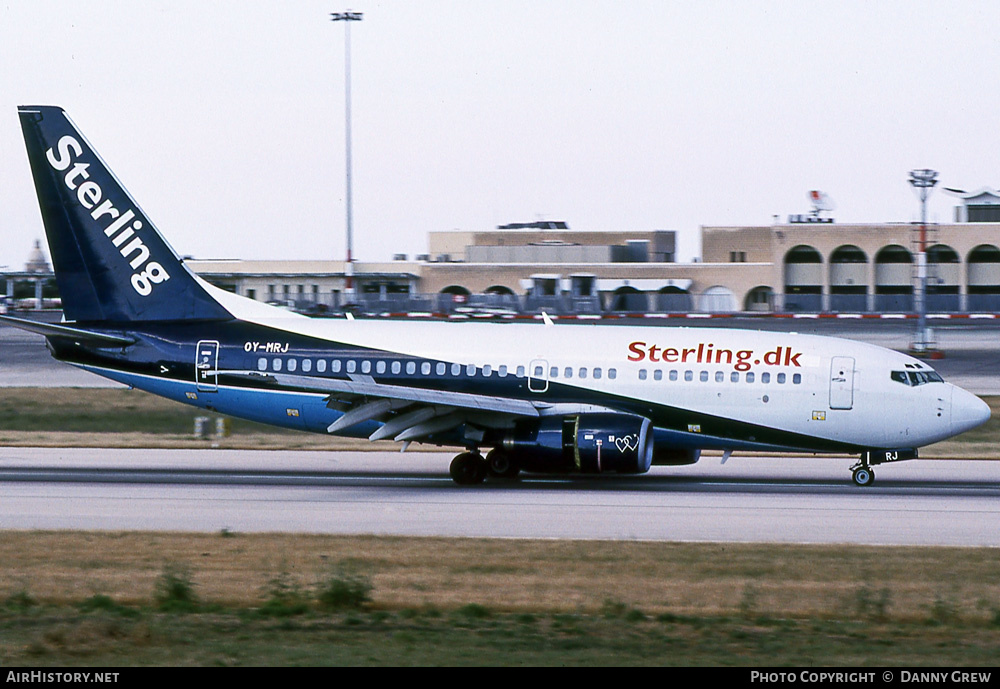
468 469
501 465
863 476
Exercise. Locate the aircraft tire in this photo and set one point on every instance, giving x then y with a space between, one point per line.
468 469
502 465
863 476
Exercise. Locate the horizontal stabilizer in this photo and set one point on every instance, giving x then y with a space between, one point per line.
54 330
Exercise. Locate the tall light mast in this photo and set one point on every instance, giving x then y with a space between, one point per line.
923 181
348 17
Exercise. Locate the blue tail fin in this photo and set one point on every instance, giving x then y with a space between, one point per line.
111 263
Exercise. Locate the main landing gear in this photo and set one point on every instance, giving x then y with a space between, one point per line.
470 468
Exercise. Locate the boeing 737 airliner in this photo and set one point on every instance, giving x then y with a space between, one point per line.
536 397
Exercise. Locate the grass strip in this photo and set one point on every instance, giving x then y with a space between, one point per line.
249 599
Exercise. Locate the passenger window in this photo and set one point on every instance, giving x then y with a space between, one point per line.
734 377
796 378
352 366
379 366
470 370
262 364
720 377
750 377
642 374
583 372
487 370
598 373
554 372
456 369
657 374
689 376
781 378
307 365
335 366
276 364
411 368
396 367
366 366
292 365
321 365
425 368
673 374
440 369
765 377
703 376
612 373
568 373
502 371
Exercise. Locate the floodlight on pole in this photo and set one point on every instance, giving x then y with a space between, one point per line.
348 17
923 181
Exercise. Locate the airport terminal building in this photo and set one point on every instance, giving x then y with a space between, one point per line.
805 265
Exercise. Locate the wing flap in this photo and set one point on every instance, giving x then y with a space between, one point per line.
366 386
409 413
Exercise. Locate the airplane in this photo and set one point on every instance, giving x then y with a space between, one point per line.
535 397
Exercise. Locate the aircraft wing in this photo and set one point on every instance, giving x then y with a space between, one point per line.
408 413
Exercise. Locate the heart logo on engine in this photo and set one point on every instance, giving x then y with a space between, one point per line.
627 442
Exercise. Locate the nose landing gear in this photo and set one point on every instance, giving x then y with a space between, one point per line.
862 472
862 475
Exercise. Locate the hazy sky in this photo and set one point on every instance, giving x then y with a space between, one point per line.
225 120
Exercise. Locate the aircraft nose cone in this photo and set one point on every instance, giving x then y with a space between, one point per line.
967 411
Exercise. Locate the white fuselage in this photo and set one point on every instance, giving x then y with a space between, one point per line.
822 387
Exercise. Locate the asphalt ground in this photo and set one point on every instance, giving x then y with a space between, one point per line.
748 499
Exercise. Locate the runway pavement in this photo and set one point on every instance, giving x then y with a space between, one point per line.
749 499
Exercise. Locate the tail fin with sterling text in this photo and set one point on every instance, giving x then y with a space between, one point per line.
111 263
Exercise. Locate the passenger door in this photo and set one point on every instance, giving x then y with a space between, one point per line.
842 382
206 366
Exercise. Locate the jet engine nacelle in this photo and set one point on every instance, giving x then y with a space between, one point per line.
587 443
675 456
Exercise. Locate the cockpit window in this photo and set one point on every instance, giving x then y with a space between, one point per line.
915 378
